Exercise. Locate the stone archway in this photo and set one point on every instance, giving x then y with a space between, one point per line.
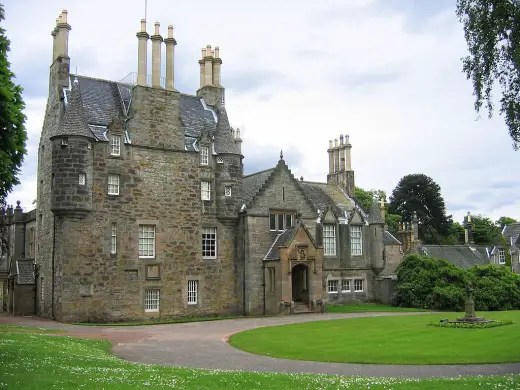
300 283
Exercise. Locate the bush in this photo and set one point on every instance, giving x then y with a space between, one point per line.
430 283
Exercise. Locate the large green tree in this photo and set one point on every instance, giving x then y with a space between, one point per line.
503 221
485 231
420 194
366 197
492 32
12 121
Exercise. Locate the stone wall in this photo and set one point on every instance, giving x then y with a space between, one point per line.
393 257
352 296
23 299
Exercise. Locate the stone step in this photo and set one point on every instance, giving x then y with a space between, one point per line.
300 307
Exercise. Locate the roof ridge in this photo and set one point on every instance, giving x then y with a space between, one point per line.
257 173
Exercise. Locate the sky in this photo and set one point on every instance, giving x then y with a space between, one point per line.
297 74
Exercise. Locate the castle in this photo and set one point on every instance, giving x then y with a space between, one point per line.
143 210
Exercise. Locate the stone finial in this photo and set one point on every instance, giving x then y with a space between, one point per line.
281 154
382 203
18 204
301 178
469 217
238 133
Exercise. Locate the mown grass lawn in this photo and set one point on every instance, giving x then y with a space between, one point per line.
368 307
51 361
387 340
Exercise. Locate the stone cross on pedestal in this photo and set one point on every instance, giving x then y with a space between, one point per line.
470 303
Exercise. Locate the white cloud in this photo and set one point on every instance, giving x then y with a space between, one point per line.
315 70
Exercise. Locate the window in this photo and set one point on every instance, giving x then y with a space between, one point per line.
209 243
356 241
192 291
272 280
329 240
151 300
345 285
332 286
204 155
205 190
227 191
113 239
220 160
358 285
280 221
501 256
113 184
146 241
82 179
115 145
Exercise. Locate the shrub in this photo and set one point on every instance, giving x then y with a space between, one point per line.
430 283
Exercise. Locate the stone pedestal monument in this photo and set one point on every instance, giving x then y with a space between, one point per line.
470 308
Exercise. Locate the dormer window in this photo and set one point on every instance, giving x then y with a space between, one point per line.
204 155
501 256
115 145
356 241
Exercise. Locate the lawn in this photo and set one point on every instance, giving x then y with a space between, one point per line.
387 340
368 307
40 361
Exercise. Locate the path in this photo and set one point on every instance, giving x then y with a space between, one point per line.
204 345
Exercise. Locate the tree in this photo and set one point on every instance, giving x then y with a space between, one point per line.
365 199
503 221
12 121
485 232
418 193
492 32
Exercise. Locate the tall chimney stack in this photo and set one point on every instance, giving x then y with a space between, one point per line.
217 61
62 35
208 79
170 43
142 54
348 157
156 57
54 34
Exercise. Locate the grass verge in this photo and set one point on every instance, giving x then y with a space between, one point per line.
369 307
173 320
37 361
387 340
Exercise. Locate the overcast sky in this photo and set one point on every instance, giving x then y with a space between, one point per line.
297 74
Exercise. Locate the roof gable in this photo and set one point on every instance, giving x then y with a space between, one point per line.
285 239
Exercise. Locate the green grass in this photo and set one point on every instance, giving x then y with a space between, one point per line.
387 340
35 361
368 307
27 329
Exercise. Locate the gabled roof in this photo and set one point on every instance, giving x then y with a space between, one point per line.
512 233
74 121
252 183
389 239
283 239
464 256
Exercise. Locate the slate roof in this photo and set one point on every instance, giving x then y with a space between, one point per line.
252 183
375 213
283 239
322 195
512 232
25 271
389 239
464 256
104 100
74 121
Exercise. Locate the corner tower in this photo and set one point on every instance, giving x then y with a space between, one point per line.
340 165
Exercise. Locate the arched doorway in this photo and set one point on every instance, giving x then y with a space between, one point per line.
300 283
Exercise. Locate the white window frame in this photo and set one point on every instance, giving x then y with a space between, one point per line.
501 256
329 239
193 292
356 240
220 160
146 241
113 184
209 243
332 286
204 155
82 179
113 239
115 145
152 299
205 190
227 190
346 285
356 281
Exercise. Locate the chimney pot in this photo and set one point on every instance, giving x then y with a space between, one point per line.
217 52
64 16
335 142
143 25
157 25
341 139
203 52
170 31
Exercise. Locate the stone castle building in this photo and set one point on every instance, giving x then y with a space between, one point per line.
143 208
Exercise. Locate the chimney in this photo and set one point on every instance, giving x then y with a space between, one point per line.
217 61
142 37
331 157
208 66
468 234
170 43
415 226
62 36
238 141
54 34
156 57
202 68
382 209
348 159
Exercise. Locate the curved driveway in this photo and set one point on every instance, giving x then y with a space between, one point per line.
204 345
